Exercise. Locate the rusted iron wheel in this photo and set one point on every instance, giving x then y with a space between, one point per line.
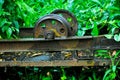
53 23
70 18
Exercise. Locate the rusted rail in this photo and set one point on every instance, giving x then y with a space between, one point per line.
58 44
57 63
31 44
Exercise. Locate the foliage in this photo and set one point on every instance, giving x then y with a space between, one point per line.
68 73
112 72
57 73
95 17
98 17
8 29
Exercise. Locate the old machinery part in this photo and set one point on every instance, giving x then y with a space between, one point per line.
50 26
49 35
70 18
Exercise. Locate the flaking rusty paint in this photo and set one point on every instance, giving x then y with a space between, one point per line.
61 44
69 44
98 62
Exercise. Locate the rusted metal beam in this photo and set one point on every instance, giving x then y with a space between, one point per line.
58 44
99 62
101 42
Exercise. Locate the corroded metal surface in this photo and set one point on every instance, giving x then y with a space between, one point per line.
76 51
46 55
98 62
104 43
58 44
49 63
54 23
71 19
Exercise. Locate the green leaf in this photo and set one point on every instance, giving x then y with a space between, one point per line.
115 16
80 33
20 73
9 32
108 36
106 73
4 28
73 78
16 24
87 27
36 69
79 26
1 2
117 37
102 51
113 8
112 76
118 67
95 31
94 76
63 77
2 22
114 68
113 30
0 37
46 78
105 17
89 78
17 30
118 24
98 2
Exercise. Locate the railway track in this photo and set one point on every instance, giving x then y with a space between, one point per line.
52 42
72 51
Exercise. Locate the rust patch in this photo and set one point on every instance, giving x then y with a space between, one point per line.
69 44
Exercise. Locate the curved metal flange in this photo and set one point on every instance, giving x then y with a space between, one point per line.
52 22
70 18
